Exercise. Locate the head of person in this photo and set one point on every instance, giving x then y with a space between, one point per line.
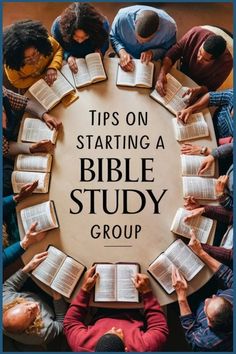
146 25
25 42
219 313
81 21
21 316
213 47
112 341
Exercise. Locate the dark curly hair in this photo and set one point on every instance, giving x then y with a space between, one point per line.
20 36
85 17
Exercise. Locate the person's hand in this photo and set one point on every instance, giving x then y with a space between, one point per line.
146 57
184 115
190 149
55 295
32 236
51 121
195 244
35 261
194 213
142 283
90 279
179 284
99 52
26 191
191 203
161 84
126 61
206 164
42 146
193 93
51 76
221 183
72 64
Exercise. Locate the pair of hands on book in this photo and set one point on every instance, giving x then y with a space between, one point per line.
127 63
141 281
190 149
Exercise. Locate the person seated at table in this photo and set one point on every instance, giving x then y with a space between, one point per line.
26 317
210 327
204 57
141 32
30 54
81 29
116 330
222 117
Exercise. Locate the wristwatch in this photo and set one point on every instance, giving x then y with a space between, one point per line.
203 150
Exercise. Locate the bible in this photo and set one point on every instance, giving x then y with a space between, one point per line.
35 130
180 256
44 213
20 178
90 70
115 283
142 76
173 100
37 162
191 163
201 225
196 127
59 271
199 187
50 96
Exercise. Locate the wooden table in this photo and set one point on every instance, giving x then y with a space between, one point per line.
162 166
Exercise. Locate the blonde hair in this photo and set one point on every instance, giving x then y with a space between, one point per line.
36 326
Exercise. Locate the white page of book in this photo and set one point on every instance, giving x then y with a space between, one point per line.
201 225
161 268
172 88
20 178
126 290
95 66
44 94
105 288
61 86
65 70
196 127
177 102
144 74
66 279
191 164
199 187
184 259
36 162
126 78
47 270
35 130
42 213
82 76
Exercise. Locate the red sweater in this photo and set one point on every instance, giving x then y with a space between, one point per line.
210 74
139 337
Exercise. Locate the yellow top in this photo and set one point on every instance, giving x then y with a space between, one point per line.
29 74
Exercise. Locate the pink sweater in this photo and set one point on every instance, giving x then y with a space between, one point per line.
139 336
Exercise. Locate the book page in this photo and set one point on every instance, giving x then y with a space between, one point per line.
67 73
199 187
20 178
95 67
82 77
105 288
172 87
201 225
47 270
35 162
126 78
44 94
126 290
144 74
177 103
67 277
161 269
61 86
42 213
35 130
184 259
191 163
196 127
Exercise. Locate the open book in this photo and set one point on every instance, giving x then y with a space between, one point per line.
173 100
44 213
50 96
196 127
201 225
59 271
199 187
180 256
20 178
37 162
115 282
142 76
35 130
90 70
191 163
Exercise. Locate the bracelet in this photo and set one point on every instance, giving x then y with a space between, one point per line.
220 195
203 150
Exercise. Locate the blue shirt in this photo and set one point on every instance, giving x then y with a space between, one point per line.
197 332
75 49
11 253
10 219
122 33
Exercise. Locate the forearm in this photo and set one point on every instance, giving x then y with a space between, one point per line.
202 102
218 213
60 308
166 66
18 148
116 42
15 282
211 262
223 255
11 253
184 306
35 108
